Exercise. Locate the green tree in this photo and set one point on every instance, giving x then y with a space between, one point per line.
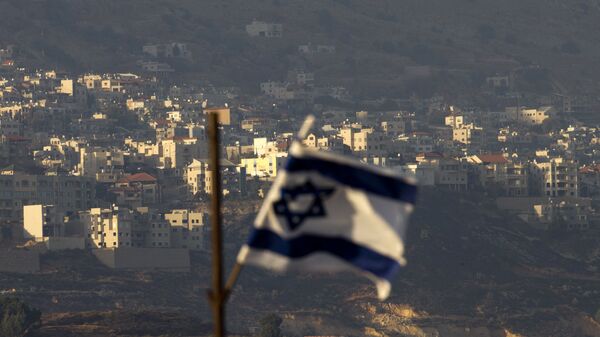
16 317
270 326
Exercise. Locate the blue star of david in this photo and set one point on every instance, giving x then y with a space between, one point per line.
315 209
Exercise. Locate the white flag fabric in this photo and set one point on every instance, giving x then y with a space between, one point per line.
327 212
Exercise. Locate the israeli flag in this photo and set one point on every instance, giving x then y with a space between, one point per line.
330 213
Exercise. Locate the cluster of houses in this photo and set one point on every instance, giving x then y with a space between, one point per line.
120 160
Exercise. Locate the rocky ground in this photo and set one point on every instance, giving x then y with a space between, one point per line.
472 272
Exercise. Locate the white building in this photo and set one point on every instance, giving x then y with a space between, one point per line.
455 121
557 177
530 116
468 134
105 165
41 221
264 29
108 228
362 139
266 166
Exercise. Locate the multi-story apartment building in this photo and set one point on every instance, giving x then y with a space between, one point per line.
137 190
556 177
188 228
91 81
452 174
495 170
66 193
105 165
266 166
154 227
448 173
468 134
361 139
41 221
198 176
108 228
179 151
117 227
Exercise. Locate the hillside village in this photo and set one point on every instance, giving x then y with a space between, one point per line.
114 165
119 160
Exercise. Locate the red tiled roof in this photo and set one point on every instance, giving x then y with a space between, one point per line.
590 169
138 177
492 158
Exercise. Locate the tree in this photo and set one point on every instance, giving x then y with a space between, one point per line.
270 326
16 317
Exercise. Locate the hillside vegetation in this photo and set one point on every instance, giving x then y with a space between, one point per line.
375 40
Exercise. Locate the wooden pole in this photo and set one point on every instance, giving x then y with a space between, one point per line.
235 273
217 296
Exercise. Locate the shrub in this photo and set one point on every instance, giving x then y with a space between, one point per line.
16 317
269 326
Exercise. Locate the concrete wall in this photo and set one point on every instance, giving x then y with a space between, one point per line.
19 261
164 259
62 243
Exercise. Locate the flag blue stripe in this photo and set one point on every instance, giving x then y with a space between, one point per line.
304 245
356 177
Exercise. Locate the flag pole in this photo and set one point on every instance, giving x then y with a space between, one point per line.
305 128
237 268
216 295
